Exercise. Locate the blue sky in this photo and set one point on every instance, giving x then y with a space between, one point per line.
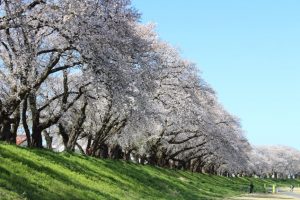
248 51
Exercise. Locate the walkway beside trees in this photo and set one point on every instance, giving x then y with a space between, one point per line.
283 193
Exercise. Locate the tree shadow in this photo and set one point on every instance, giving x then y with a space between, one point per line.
128 175
20 184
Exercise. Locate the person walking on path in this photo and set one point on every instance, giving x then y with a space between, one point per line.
251 187
292 188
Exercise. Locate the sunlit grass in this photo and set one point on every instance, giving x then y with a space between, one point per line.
42 174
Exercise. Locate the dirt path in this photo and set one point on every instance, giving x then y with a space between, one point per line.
283 194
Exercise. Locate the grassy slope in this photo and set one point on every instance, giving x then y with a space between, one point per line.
42 174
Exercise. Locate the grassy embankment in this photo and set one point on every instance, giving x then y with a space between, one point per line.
42 174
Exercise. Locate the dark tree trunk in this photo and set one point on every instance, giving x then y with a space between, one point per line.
72 141
103 151
127 156
9 127
152 160
63 133
181 164
15 125
142 160
187 165
163 161
88 149
5 132
76 130
80 149
24 122
37 140
275 175
116 152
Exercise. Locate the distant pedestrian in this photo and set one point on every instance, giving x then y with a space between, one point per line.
251 187
292 188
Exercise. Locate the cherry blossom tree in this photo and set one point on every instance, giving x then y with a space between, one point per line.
88 74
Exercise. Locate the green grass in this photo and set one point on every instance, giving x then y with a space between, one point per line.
42 174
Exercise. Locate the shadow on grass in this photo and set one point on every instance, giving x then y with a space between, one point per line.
90 168
34 191
71 176
152 182
126 176
129 176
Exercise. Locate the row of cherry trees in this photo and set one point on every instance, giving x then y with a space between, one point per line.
88 75
275 162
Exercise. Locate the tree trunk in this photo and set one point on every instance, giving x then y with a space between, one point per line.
76 130
15 125
72 142
37 140
24 122
127 156
103 151
88 149
64 135
116 152
9 127
80 149
142 160
152 160
5 132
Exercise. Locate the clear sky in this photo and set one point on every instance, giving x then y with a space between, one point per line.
248 51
